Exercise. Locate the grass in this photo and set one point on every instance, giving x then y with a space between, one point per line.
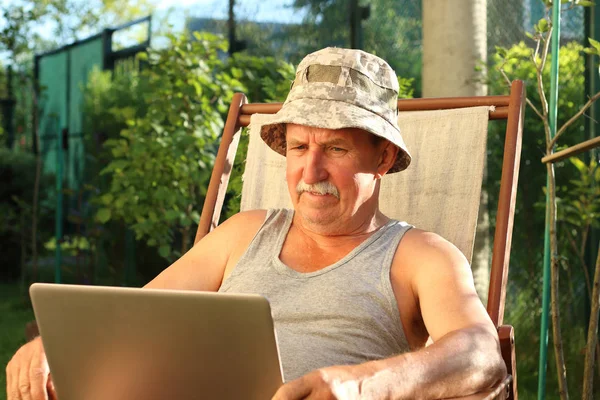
15 312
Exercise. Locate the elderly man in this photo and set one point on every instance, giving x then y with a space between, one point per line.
355 295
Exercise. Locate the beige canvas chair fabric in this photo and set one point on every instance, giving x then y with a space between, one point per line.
439 191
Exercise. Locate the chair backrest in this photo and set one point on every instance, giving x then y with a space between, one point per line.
451 123
439 192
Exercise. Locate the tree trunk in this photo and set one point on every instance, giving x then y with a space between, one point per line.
36 190
185 234
554 271
453 45
23 254
592 337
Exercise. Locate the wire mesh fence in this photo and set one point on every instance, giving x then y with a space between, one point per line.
509 20
391 29
291 29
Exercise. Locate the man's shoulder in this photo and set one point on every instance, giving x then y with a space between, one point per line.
245 221
249 216
419 239
423 252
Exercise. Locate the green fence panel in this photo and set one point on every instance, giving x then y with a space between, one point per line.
63 77
52 105
82 59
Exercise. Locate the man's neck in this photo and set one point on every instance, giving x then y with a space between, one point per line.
352 232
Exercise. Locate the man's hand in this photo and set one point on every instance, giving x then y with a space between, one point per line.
339 382
28 374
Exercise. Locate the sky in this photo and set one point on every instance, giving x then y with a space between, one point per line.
257 10
178 10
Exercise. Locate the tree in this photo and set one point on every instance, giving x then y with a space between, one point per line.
68 20
392 31
161 162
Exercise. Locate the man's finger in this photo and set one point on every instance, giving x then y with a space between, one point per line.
10 388
294 390
51 390
14 393
38 377
23 384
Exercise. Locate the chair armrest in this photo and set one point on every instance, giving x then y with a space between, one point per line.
506 334
498 392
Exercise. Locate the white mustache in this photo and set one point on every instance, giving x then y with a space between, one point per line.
321 188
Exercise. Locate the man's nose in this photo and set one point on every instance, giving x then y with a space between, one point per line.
314 169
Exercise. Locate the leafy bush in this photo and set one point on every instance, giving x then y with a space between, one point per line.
17 174
161 162
528 236
110 100
523 306
264 79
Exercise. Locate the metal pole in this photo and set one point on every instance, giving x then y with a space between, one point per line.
130 270
592 85
547 256
9 109
59 204
356 14
354 22
231 28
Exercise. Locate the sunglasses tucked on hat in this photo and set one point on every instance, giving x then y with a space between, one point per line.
339 88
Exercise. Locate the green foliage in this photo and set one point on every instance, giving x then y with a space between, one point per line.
579 206
526 257
577 209
392 31
109 102
17 174
542 26
161 162
69 20
265 79
153 136
71 245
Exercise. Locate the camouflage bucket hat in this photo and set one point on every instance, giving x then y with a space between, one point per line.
339 88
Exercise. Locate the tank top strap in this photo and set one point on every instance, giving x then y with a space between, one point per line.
266 244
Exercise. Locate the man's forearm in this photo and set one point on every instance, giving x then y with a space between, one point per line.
460 363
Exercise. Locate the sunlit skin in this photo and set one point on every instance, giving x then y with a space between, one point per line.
325 228
348 159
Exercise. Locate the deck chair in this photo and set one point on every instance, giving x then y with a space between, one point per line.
435 185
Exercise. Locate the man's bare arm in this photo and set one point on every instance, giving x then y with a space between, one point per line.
204 265
465 355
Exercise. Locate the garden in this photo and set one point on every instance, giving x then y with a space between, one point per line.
107 189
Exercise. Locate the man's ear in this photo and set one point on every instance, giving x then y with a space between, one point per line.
387 158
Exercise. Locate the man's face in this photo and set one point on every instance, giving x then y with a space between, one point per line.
336 172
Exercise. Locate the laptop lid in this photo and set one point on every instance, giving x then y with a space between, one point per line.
125 343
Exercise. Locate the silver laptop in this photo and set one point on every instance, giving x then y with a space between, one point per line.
124 343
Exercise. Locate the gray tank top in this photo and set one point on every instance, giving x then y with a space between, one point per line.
343 314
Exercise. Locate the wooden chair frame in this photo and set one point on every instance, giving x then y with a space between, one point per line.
510 108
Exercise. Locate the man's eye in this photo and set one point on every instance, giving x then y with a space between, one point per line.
299 147
337 149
